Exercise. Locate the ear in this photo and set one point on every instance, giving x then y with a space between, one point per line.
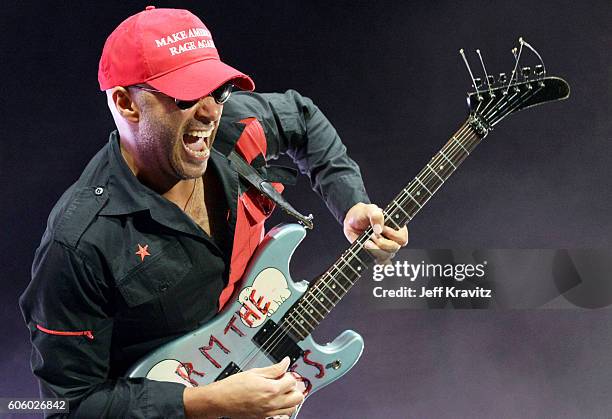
125 105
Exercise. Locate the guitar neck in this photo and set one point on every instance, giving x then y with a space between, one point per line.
326 291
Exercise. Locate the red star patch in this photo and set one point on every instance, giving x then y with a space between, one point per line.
143 251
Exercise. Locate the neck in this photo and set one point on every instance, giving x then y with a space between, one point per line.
175 190
326 291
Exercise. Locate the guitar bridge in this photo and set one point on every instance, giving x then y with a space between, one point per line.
276 343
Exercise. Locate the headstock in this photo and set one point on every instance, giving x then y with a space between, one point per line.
497 96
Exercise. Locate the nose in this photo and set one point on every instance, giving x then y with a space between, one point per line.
208 110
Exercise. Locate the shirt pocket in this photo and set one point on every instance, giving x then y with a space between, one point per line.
157 274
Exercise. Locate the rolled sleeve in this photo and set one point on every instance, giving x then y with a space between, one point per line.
295 126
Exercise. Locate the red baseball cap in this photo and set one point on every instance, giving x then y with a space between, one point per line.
169 49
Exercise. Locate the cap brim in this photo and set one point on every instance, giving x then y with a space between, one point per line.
198 79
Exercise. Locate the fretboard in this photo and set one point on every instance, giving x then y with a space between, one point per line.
326 291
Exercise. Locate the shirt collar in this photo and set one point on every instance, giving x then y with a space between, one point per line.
128 195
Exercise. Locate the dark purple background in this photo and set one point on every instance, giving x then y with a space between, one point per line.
390 78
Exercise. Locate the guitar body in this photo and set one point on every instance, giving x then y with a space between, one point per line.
227 344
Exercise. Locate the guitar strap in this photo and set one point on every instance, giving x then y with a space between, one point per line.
275 173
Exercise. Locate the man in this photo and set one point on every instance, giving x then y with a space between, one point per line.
153 238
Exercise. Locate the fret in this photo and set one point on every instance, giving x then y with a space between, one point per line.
398 206
349 280
320 293
421 183
365 254
444 168
327 286
408 204
460 145
329 293
349 250
472 139
349 265
311 311
451 163
337 282
314 296
396 217
411 197
314 320
434 172
293 326
390 220
456 154
303 320
430 181
312 307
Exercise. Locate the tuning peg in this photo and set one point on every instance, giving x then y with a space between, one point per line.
490 80
526 71
502 78
539 70
477 82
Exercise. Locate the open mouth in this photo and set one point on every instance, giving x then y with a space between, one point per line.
197 144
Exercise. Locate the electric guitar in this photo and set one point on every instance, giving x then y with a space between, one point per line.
271 316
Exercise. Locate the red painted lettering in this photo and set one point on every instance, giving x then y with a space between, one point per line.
232 326
315 364
246 312
298 377
205 349
185 370
265 308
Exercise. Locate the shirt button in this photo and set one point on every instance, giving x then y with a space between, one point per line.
99 190
163 287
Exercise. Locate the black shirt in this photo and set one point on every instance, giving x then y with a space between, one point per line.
121 270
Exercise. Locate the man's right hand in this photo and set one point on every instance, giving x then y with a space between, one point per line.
254 394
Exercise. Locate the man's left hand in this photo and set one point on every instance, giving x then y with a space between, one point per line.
385 241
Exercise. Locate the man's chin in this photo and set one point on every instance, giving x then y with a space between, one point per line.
189 171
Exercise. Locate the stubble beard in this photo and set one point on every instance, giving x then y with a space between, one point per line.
159 147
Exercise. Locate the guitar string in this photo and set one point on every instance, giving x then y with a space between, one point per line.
461 137
462 134
513 106
338 267
276 339
518 101
365 236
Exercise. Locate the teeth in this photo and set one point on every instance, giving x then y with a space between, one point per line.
201 134
199 147
199 154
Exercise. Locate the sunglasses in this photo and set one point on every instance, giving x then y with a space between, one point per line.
220 95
